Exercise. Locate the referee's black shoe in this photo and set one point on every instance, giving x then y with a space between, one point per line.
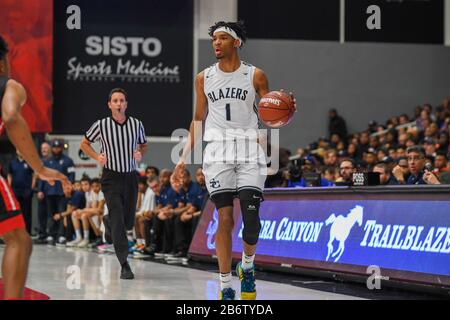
126 272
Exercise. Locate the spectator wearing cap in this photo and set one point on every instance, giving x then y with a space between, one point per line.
341 155
370 158
54 194
336 124
386 178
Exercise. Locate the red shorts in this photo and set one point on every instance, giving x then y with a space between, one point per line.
10 214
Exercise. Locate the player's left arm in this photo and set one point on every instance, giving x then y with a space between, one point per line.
261 84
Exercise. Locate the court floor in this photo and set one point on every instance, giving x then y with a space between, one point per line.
66 274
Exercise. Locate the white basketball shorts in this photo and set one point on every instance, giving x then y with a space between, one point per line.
230 166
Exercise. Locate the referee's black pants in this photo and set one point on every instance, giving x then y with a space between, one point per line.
120 190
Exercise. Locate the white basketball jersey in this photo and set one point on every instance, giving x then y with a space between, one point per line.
232 113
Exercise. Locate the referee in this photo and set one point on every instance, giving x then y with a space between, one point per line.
123 142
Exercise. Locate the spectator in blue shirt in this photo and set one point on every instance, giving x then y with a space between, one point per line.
54 193
298 168
22 181
75 200
416 164
163 222
190 201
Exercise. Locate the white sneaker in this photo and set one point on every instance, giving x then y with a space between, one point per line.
83 244
74 243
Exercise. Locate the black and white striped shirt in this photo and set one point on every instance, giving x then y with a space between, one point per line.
118 141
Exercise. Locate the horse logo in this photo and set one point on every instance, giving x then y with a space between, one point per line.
211 231
340 230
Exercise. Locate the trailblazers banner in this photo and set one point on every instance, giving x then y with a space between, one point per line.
397 235
27 26
145 47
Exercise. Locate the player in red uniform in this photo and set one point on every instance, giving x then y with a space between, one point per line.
12 225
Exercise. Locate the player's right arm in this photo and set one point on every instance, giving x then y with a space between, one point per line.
201 108
16 126
19 133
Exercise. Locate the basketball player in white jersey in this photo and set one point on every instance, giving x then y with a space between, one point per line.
234 163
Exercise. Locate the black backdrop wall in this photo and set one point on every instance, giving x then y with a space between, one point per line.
144 47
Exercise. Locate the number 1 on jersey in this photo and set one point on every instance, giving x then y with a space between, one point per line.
227 108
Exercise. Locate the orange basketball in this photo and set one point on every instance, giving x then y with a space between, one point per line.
276 109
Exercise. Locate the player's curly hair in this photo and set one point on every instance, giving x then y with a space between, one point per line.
237 27
3 48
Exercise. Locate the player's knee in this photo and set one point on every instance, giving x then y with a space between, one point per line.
250 201
222 199
226 224
18 238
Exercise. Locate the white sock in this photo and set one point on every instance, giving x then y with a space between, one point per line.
139 242
247 261
86 234
143 242
130 236
78 233
225 280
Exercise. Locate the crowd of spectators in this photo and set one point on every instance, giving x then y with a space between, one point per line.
77 216
405 150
